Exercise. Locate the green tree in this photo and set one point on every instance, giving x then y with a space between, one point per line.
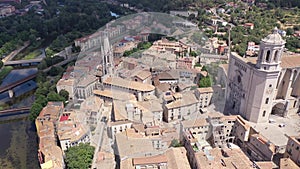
41 99
80 157
205 82
41 91
289 31
175 143
54 97
65 94
42 65
54 71
204 68
49 52
144 45
35 110
193 53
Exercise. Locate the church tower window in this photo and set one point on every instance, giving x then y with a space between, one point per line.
268 56
276 55
267 100
264 113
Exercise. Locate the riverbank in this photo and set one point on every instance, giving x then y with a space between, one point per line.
19 149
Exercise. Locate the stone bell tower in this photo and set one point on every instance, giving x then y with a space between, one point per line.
265 77
251 87
271 48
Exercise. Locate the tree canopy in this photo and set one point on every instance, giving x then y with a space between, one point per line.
35 110
60 24
175 143
205 82
65 94
79 157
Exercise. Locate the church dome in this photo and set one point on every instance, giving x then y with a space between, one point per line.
274 38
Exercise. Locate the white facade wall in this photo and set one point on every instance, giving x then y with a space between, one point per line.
118 128
180 113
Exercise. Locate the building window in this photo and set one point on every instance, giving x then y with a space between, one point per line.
268 56
239 79
295 102
276 55
264 113
270 85
267 100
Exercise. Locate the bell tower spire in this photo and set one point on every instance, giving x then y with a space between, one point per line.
271 48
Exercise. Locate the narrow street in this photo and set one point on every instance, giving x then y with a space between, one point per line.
100 135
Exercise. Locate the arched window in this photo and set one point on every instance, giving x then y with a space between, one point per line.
268 56
276 55
239 79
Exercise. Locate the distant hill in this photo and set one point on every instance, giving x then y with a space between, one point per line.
283 3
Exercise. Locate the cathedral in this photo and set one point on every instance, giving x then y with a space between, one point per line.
264 85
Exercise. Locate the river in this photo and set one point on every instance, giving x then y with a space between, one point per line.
18 142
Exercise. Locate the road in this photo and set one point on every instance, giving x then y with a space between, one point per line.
97 140
71 58
100 139
15 52
43 55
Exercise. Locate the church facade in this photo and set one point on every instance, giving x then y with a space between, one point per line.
263 85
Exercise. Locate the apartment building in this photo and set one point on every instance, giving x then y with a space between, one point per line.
204 95
182 107
70 131
293 149
50 154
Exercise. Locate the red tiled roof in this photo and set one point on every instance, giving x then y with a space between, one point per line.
63 118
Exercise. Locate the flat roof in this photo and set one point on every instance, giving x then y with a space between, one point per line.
276 134
116 81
